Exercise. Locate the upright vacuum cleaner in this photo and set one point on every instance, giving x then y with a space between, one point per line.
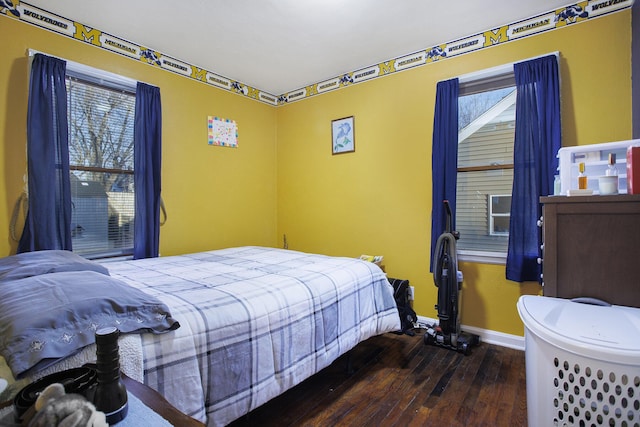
448 280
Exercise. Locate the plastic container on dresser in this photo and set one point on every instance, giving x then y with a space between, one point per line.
596 160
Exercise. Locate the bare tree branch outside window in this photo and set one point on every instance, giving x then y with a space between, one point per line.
101 150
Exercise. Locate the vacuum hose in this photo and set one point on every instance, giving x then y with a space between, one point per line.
441 253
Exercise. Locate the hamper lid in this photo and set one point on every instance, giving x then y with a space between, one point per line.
579 327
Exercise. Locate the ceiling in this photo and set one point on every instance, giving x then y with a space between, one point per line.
281 45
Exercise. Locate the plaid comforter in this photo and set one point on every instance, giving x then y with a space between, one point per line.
254 322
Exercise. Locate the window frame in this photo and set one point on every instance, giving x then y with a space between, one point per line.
492 215
488 79
101 78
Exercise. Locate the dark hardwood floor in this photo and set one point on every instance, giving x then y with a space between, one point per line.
397 380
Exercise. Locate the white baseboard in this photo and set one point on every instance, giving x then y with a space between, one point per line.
488 336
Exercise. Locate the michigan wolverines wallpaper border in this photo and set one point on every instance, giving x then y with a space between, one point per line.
552 20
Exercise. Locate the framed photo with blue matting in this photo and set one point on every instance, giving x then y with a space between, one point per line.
343 136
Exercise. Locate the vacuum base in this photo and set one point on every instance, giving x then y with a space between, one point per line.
462 342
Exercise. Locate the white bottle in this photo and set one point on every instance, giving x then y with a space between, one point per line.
609 184
612 170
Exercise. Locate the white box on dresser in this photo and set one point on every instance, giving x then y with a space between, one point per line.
595 158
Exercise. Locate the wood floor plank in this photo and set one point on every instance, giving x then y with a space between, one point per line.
489 387
424 386
397 380
466 411
448 404
508 379
519 412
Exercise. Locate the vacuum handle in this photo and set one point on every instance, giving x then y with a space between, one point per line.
447 207
449 222
449 226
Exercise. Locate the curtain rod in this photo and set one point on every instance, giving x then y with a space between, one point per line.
99 75
500 69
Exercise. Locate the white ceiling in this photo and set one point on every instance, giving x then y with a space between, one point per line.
281 45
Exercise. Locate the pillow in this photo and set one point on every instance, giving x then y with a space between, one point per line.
46 318
29 264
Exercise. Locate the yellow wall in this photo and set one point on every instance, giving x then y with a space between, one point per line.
215 196
378 200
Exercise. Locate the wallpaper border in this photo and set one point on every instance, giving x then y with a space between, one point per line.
555 19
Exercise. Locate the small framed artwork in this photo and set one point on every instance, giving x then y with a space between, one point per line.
343 136
222 132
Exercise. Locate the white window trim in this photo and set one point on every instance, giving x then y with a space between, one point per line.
96 75
482 257
498 70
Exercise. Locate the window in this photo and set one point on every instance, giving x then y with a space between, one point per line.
101 128
486 129
499 211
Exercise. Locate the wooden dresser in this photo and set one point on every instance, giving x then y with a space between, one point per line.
592 247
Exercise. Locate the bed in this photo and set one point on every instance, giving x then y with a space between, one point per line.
236 327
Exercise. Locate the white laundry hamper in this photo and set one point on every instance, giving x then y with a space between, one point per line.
582 363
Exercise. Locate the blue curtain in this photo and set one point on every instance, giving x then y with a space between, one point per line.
444 158
48 221
536 144
147 161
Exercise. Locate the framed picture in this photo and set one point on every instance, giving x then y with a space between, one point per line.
222 132
343 136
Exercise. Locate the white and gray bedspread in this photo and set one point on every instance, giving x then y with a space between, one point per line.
254 322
